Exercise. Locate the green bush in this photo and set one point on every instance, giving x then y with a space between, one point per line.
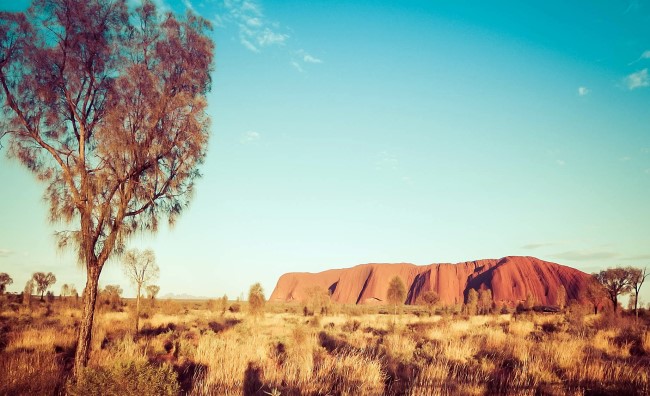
132 378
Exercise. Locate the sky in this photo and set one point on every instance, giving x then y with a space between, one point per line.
377 131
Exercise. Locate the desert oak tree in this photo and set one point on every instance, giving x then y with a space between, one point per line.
140 268
616 282
256 300
43 282
107 107
396 292
5 280
152 291
637 278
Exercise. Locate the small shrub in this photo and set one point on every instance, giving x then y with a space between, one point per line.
350 326
133 378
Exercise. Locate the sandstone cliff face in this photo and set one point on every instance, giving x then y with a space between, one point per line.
511 279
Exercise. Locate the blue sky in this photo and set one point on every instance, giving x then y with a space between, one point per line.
354 132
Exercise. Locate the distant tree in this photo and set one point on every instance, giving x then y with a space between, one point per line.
223 304
140 268
74 293
616 282
396 292
43 282
112 295
256 300
595 293
152 291
28 291
318 299
429 299
485 301
631 303
471 304
107 105
560 298
637 277
530 302
65 290
5 280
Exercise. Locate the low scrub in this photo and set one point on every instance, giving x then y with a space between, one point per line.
125 378
194 350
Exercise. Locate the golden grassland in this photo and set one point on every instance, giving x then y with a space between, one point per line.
188 348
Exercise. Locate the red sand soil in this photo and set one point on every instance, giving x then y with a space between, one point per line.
509 278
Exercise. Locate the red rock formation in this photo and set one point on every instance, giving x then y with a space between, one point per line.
511 279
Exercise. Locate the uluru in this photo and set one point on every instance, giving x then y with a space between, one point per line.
510 279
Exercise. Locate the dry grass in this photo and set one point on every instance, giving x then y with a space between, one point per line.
355 352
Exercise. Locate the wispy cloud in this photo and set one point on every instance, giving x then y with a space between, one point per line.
389 164
626 158
533 246
560 162
586 255
6 252
310 59
255 31
640 257
632 7
189 5
297 66
583 91
250 136
644 55
637 80
386 161
301 58
161 5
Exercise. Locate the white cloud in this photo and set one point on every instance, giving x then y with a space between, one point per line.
310 59
250 136
582 91
647 171
626 158
248 45
386 161
269 37
5 252
560 162
251 7
637 80
255 31
189 5
254 22
218 21
297 66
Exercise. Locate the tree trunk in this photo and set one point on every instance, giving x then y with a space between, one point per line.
636 302
85 331
137 310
